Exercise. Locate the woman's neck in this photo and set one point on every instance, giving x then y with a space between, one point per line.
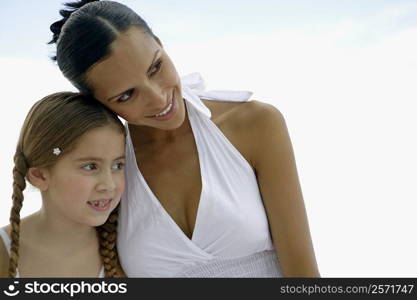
151 136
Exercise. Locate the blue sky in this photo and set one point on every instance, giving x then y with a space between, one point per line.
24 23
343 73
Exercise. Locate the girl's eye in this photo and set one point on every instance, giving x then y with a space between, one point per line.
90 167
125 96
118 166
156 67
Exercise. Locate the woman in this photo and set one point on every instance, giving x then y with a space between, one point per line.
211 186
72 149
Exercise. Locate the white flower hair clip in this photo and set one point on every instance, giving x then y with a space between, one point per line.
56 151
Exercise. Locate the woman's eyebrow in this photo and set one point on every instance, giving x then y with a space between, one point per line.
108 99
150 67
154 58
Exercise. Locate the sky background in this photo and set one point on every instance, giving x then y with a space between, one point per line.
343 73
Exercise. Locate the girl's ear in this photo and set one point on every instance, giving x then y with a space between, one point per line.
39 177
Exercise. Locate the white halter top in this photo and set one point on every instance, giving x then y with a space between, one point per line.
231 236
7 243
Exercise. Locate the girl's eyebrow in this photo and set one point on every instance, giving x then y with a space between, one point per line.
92 158
150 67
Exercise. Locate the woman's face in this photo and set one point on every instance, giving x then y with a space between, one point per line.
139 82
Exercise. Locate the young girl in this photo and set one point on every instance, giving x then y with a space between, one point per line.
72 149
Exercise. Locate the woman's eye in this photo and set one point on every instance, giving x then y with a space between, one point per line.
125 96
118 166
90 167
156 67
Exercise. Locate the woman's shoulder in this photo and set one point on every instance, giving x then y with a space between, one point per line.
239 114
245 124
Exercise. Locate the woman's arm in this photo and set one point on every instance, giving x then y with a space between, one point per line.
273 159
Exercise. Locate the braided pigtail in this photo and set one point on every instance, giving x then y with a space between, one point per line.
107 238
19 184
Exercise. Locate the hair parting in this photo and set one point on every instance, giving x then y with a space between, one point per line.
84 34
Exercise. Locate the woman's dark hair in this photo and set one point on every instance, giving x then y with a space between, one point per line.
84 35
60 119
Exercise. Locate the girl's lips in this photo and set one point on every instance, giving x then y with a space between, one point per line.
100 205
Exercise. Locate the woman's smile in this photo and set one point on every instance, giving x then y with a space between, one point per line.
168 112
140 66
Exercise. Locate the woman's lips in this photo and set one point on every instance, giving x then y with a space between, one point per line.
168 112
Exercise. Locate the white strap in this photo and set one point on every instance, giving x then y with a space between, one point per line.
193 88
6 239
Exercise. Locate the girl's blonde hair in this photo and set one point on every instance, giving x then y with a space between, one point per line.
59 120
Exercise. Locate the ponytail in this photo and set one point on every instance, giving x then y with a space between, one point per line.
84 35
56 27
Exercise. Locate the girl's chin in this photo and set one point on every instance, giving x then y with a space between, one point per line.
100 222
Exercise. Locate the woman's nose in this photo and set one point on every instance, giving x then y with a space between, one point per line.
155 97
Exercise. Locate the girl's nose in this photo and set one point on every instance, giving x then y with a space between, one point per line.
106 182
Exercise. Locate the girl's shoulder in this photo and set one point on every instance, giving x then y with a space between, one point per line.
7 229
4 252
4 257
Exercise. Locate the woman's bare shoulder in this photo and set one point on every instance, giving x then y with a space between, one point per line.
242 112
244 123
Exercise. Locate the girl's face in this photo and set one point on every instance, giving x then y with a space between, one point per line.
86 184
139 82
